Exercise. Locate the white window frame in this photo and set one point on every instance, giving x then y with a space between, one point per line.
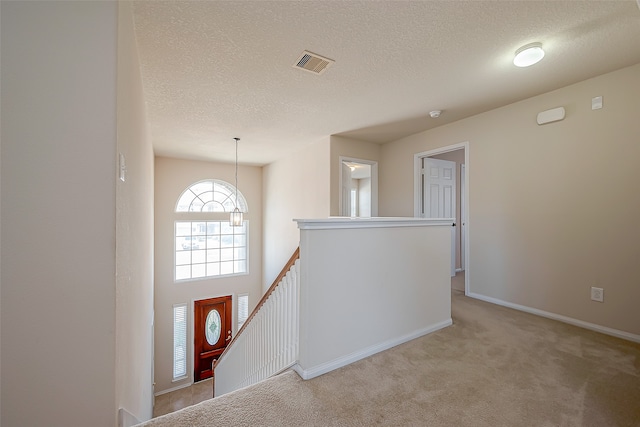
208 201
177 252
211 195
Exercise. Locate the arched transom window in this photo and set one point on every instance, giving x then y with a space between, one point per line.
211 196
205 244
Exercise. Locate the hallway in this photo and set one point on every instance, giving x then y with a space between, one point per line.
457 281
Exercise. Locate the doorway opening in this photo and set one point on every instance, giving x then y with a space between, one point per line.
444 160
358 187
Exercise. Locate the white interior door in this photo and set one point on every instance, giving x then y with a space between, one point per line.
346 190
439 199
461 220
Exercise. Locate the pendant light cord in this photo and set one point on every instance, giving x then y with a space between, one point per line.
237 139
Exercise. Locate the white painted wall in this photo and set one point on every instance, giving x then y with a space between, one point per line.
552 208
296 186
172 177
363 290
0 238
134 234
58 213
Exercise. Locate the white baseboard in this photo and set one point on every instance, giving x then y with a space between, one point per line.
307 374
169 390
575 322
126 418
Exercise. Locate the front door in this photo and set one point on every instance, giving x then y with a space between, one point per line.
212 330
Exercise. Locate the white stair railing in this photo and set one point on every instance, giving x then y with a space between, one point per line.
267 344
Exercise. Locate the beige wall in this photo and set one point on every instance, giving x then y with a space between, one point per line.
58 213
134 234
458 157
1 136
296 186
172 177
552 208
347 147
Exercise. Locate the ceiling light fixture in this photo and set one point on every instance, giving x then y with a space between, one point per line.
528 55
435 114
236 217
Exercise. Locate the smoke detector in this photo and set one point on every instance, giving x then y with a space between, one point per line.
313 63
435 114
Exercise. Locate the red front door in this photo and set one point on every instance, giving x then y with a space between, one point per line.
212 331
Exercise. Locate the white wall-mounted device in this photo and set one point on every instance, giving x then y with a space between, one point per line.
553 115
596 103
122 168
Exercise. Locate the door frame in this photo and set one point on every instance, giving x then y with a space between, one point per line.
464 199
374 182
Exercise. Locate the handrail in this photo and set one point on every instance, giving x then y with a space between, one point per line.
265 297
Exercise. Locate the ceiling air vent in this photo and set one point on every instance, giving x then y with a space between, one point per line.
313 63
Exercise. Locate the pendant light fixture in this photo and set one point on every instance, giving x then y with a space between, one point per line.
236 218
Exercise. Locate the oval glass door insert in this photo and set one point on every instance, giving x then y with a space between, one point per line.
212 327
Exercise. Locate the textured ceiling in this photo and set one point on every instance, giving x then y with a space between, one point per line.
214 70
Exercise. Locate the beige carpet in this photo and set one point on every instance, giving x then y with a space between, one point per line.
493 367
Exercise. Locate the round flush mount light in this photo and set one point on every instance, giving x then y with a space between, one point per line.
435 114
528 55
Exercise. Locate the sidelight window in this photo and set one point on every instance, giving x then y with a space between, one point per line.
179 341
243 309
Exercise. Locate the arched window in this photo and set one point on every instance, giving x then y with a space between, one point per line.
211 195
205 244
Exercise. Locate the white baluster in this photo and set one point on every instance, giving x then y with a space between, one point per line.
274 331
283 325
269 342
278 327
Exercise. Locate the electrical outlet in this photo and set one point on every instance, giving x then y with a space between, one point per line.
597 294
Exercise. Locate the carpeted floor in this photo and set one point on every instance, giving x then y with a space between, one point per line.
493 367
